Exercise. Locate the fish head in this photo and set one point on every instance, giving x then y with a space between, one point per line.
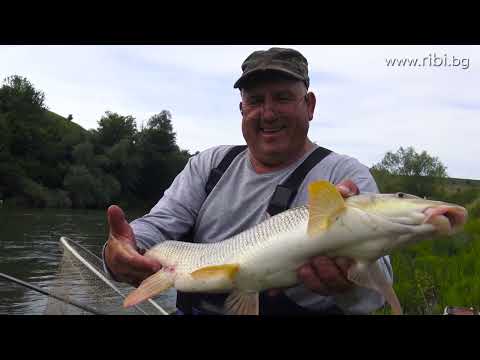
426 216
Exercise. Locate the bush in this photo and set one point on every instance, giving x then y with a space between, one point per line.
90 189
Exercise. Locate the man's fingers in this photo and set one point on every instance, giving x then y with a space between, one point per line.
309 277
127 254
330 274
122 258
348 188
143 263
344 264
138 269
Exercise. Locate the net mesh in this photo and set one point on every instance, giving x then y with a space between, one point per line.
80 280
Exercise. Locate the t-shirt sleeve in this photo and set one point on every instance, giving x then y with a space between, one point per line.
352 169
175 213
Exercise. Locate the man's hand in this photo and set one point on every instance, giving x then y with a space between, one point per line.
122 256
326 276
323 275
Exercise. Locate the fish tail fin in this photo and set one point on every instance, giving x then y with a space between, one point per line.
153 285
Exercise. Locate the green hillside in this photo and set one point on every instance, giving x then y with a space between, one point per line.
67 125
47 160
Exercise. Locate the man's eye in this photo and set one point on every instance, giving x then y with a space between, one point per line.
254 101
283 98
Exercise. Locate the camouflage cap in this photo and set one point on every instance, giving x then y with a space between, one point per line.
287 61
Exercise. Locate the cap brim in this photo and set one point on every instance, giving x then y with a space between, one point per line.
248 75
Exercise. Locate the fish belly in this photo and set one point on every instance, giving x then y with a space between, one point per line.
267 255
274 263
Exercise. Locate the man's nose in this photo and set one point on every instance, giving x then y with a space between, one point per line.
268 111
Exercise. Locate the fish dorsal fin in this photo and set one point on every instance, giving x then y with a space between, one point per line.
372 276
324 203
153 285
242 303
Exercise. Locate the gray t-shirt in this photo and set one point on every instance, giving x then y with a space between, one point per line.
239 201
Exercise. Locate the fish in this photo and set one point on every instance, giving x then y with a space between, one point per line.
362 227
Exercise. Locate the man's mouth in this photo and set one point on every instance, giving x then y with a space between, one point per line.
271 130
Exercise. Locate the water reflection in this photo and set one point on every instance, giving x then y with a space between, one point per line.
30 251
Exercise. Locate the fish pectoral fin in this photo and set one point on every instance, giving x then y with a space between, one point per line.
372 276
228 271
153 285
242 303
324 204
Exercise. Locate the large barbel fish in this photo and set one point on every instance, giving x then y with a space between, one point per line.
363 227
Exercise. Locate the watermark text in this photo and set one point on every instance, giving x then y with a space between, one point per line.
432 60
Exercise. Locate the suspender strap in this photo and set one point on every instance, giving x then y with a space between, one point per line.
216 173
286 192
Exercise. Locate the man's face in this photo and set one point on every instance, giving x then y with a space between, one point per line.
276 117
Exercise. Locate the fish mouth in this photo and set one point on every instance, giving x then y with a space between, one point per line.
446 219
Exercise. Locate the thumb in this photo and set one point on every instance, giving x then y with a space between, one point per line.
118 225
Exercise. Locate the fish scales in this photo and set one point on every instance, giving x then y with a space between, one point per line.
187 257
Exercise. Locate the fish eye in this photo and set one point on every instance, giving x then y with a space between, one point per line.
401 195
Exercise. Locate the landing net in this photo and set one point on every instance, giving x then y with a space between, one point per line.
82 279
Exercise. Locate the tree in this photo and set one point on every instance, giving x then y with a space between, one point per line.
159 131
90 188
114 127
408 162
124 163
162 160
83 154
415 173
19 93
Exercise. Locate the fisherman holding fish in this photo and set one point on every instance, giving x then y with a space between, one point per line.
276 109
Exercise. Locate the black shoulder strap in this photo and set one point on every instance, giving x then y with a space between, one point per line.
286 192
216 173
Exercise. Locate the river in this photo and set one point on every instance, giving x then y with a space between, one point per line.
30 251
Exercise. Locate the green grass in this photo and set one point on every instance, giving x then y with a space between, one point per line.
438 273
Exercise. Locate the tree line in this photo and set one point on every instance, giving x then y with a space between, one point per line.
49 161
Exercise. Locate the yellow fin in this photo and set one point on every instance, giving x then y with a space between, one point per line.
324 203
153 285
242 303
226 270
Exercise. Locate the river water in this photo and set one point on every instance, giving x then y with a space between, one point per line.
30 251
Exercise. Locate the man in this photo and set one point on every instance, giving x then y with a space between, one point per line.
276 110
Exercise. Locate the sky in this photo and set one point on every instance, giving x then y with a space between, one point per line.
366 106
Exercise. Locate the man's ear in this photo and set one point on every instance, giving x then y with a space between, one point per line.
311 102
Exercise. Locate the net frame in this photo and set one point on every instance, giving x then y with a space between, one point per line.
87 268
